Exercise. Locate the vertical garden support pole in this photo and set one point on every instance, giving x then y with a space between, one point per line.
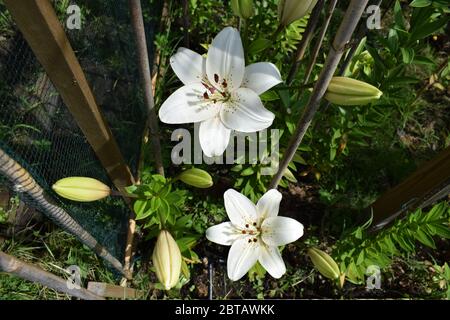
29 272
343 36
41 28
144 70
152 121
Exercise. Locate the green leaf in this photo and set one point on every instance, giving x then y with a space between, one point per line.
360 259
285 98
247 172
399 19
401 81
290 176
185 269
184 221
423 60
424 238
155 203
420 3
447 271
390 244
164 210
428 29
442 231
142 208
353 274
436 212
270 96
131 189
174 198
259 45
393 41
186 243
407 55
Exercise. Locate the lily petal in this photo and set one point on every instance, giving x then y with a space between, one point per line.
278 231
242 256
240 209
189 66
271 260
224 234
187 105
261 76
245 112
225 60
214 137
269 204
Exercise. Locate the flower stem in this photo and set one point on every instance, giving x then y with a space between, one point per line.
343 36
116 193
319 42
245 42
303 86
306 39
273 38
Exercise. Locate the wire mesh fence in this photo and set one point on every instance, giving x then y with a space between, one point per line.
37 130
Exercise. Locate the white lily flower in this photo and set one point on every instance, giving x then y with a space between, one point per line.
254 233
220 92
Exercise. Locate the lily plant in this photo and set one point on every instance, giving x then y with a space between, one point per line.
220 92
254 233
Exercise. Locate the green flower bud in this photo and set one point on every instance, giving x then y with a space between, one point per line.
324 263
291 10
350 92
167 260
81 189
196 177
243 8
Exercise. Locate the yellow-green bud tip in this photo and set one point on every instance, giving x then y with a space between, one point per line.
196 177
81 189
324 263
243 8
350 92
291 10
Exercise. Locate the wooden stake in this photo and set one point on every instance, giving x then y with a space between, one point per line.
41 28
426 185
111 291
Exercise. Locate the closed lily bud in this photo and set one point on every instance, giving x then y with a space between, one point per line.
243 8
196 177
350 92
324 263
81 189
291 10
167 260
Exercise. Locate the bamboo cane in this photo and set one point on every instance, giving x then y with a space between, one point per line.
29 272
144 70
24 183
